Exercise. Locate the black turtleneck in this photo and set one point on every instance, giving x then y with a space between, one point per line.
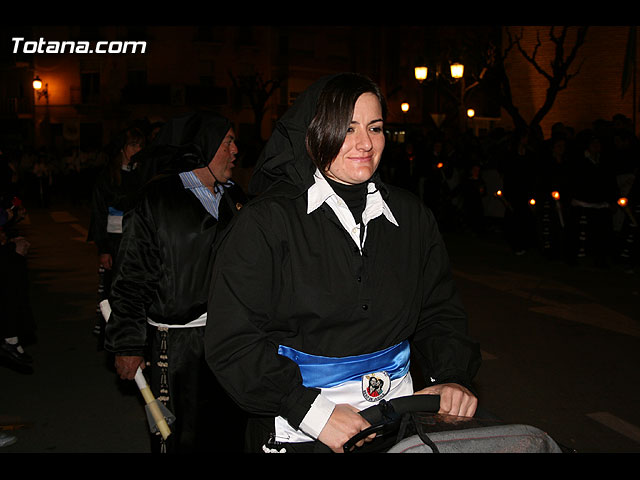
355 196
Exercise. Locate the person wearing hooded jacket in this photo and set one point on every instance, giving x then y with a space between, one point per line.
329 281
160 288
114 187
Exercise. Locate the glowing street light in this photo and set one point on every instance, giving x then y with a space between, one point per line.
421 73
40 90
457 70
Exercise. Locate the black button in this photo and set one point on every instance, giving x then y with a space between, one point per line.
359 279
365 306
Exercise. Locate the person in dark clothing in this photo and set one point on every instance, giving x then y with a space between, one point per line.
112 195
17 322
630 230
594 194
161 284
472 191
409 171
553 194
518 173
435 189
329 278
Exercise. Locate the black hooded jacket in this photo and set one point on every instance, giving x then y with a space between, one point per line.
285 277
169 238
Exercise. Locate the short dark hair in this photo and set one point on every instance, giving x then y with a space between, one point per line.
334 112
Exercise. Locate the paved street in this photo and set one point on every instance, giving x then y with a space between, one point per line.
560 345
73 401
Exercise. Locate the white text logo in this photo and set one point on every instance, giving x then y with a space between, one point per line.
69 46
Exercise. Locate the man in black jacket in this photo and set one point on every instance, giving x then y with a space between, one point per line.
160 290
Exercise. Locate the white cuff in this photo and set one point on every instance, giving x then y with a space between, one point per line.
317 416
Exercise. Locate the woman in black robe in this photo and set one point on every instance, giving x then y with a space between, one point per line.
330 280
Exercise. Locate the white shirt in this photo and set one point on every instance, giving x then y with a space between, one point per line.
321 192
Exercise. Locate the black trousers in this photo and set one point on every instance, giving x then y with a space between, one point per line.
207 420
16 316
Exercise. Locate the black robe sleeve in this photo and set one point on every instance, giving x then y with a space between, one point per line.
135 284
239 346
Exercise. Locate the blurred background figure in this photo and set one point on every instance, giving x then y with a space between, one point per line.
113 194
594 196
17 323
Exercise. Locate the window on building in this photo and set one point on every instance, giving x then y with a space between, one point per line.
90 87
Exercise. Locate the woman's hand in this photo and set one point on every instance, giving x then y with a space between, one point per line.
454 399
344 423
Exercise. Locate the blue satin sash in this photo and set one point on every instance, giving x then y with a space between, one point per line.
326 372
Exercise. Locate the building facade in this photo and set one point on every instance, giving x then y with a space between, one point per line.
88 97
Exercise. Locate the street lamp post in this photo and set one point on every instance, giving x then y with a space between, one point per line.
404 106
43 91
421 73
40 91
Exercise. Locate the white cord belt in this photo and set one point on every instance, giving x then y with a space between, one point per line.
201 321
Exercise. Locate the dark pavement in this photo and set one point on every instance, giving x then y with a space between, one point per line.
561 347
72 402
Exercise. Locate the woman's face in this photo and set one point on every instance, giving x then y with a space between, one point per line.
130 149
360 154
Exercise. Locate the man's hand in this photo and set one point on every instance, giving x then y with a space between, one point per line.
344 423
127 366
105 260
22 245
454 399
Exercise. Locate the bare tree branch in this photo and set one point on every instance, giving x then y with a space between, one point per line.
557 74
257 91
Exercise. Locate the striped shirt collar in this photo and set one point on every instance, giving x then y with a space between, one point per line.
210 201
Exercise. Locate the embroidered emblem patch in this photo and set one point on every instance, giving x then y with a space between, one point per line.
375 386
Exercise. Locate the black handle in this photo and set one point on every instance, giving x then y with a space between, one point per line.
362 434
385 412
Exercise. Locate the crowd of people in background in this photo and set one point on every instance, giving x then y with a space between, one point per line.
460 177
560 194
573 195
39 175
34 178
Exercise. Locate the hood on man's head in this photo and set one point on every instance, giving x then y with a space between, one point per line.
185 143
206 131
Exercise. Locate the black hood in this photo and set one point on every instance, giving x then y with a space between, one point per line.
284 157
183 144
